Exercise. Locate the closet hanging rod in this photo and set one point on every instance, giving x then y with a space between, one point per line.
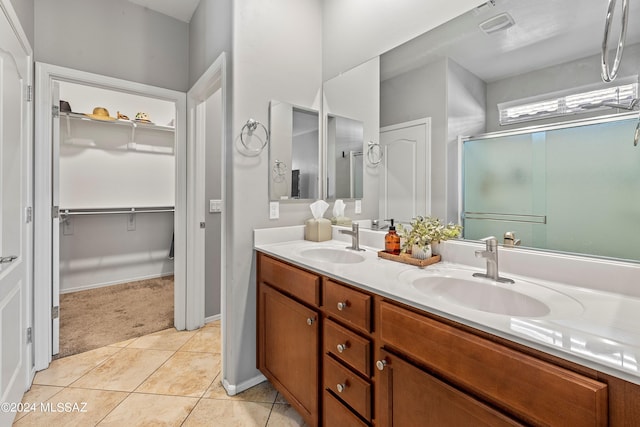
107 211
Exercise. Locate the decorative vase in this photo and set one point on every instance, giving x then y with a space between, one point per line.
420 252
435 248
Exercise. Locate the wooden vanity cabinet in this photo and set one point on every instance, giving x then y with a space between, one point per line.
289 334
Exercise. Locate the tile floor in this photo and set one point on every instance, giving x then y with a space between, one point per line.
168 378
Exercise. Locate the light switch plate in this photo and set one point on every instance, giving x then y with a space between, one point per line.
274 210
358 207
215 206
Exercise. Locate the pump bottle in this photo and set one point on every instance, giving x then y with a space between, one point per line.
392 240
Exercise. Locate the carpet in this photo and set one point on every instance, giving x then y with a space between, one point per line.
98 317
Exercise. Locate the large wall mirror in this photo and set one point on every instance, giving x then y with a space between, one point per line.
294 152
507 53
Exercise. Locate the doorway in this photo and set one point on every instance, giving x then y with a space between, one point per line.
49 222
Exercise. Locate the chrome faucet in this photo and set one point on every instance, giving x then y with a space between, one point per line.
355 236
491 255
510 240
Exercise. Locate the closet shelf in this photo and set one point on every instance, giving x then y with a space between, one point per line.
118 122
107 211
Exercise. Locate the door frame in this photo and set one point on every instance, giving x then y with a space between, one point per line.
185 292
212 80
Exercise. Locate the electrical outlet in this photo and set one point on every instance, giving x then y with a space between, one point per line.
131 222
274 210
358 207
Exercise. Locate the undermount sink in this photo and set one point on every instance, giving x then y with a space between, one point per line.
334 255
520 299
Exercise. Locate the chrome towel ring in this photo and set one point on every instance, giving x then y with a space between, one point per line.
250 128
374 153
608 74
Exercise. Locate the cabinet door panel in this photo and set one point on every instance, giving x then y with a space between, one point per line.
528 388
408 396
338 415
288 349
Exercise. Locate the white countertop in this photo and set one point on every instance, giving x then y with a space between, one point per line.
592 327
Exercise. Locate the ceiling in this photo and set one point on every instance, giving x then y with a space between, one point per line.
179 9
546 33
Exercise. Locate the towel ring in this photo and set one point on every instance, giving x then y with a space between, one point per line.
374 153
608 75
250 127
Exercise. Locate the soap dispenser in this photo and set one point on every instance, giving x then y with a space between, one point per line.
392 240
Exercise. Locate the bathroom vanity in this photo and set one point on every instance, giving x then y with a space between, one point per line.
348 342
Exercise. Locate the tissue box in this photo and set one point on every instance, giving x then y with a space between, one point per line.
317 230
341 220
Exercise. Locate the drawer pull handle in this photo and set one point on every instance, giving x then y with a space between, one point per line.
342 305
380 364
341 387
310 321
342 347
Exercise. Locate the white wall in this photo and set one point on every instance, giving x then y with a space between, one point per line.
357 30
115 38
277 54
24 10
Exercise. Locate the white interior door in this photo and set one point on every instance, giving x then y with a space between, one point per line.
406 170
14 225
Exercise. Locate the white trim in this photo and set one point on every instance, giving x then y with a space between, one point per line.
212 318
45 75
112 283
233 389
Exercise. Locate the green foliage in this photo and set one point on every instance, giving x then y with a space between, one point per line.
422 231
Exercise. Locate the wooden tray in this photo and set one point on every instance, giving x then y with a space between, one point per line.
407 259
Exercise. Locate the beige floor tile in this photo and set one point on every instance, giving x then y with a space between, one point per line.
206 340
184 374
36 395
150 410
123 343
228 413
263 392
280 399
74 407
168 339
63 372
214 324
285 416
125 371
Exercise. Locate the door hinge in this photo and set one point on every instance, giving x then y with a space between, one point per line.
29 335
55 312
55 212
28 95
28 214
55 111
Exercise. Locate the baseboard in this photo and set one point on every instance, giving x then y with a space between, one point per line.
117 282
212 318
233 389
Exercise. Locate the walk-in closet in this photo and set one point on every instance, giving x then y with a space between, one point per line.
114 185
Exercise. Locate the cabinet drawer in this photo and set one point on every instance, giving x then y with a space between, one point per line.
299 283
337 415
347 304
355 391
347 346
533 390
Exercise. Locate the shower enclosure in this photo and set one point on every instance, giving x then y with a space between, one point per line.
571 187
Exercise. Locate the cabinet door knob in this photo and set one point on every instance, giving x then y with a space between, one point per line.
341 387
310 321
342 347
342 305
380 364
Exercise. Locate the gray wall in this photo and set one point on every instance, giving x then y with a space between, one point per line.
25 11
115 38
213 190
414 95
209 35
